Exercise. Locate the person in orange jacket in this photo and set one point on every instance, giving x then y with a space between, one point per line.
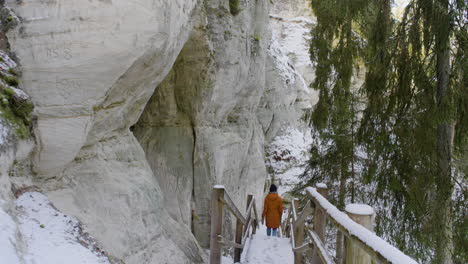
272 210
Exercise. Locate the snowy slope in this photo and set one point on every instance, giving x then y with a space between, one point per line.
287 156
8 245
49 236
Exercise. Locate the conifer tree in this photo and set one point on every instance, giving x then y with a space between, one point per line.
335 50
415 120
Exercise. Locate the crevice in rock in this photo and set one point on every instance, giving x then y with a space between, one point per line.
166 129
193 201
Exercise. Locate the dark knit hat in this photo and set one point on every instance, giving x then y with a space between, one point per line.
273 188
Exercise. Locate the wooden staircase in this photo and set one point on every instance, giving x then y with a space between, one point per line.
306 230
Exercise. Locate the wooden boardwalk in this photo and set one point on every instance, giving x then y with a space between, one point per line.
361 245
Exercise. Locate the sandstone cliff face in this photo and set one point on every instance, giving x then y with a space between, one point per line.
143 105
292 22
201 126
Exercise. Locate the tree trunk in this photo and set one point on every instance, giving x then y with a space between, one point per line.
445 135
341 204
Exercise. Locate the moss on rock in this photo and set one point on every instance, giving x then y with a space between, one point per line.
234 7
11 80
16 112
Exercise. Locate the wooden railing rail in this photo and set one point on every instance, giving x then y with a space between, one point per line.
362 245
244 223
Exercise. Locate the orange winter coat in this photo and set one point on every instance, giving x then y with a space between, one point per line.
273 210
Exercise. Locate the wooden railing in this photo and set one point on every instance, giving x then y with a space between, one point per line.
361 244
219 199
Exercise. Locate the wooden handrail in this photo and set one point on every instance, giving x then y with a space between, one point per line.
229 243
255 212
232 207
323 253
379 250
361 241
219 199
293 240
305 212
249 212
294 213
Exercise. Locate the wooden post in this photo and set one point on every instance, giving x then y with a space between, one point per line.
319 222
216 224
254 226
298 234
255 213
238 251
363 215
252 214
239 233
286 227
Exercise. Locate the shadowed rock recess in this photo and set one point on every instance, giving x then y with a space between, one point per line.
141 107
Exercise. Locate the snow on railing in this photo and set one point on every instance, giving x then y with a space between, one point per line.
383 250
363 244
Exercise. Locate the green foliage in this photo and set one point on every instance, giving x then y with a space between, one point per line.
402 121
8 92
409 98
234 7
11 80
335 48
13 72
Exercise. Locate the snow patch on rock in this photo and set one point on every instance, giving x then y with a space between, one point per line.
292 23
3 131
289 73
284 66
295 37
19 93
6 62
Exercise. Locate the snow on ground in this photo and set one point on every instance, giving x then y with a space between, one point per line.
50 237
226 260
268 250
262 249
